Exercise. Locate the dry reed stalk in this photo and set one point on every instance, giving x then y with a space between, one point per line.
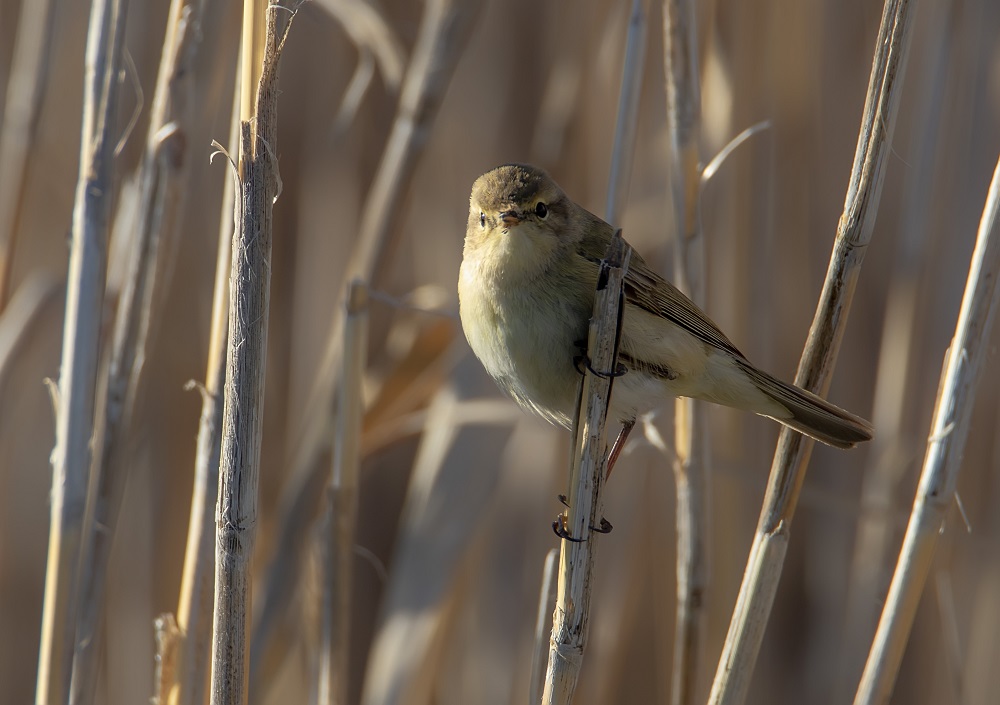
194 606
342 505
964 365
623 151
892 448
29 73
767 553
81 350
691 461
168 638
162 188
445 27
239 466
571 618
546 602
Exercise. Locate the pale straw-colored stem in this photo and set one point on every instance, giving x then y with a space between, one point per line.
194 605
854 230
444 31
342 505
81 344
571 619
691 462
892 450
162 190
242 417
949 430
546 601
623 151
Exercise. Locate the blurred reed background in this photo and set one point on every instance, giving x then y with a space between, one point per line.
458 488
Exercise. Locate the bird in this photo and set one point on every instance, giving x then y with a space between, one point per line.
526 294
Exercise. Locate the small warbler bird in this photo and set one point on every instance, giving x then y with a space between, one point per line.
526 294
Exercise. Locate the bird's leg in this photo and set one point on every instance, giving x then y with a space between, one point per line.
582 362
604 526
616 447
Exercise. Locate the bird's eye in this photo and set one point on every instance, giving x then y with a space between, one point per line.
541 210
482 219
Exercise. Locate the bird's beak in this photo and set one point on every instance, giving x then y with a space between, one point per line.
509 218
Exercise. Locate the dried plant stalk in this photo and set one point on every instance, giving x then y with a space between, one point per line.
936 490
893 395
760 581
242 417
546 600
628 112
691 463
162 179
81 343
571 618
194 606
444 30
342 505
168 638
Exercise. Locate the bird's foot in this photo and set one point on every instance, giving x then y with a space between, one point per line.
582 364
562 530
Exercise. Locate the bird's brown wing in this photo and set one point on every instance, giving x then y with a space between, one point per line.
647 290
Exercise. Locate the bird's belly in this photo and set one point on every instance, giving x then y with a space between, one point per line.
527 343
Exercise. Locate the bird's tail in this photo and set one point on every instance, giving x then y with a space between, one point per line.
810 414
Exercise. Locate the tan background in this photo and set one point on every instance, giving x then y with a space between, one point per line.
539 83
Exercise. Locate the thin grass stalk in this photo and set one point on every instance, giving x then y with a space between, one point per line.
168 638
691 462
445 28
943 460
892 448
81 351
239 467
29 74
162 187
342 506
546 601
571 618
623 151
194 608
252 50
854 230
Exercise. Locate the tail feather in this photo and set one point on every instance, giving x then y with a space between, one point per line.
812 415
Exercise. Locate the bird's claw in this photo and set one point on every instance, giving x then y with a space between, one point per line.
604 527
562 531
582 364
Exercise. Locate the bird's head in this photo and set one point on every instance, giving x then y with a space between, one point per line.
519 219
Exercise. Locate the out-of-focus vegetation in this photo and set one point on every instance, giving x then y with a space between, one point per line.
458 488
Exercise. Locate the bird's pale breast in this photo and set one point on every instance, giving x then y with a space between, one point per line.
526 337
